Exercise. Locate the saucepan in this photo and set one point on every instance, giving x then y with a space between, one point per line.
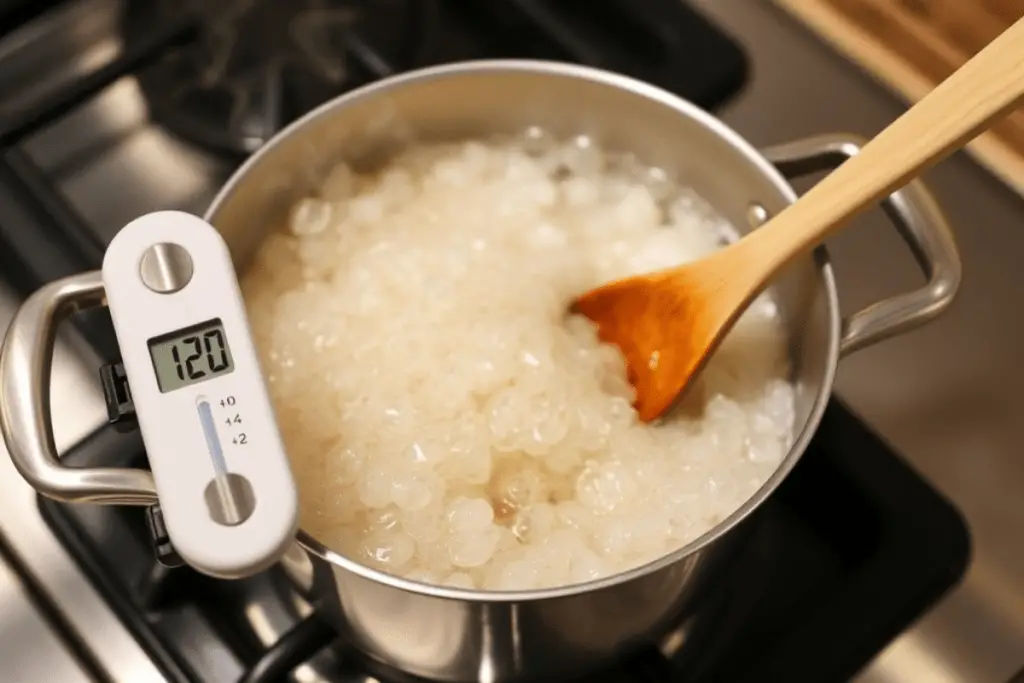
456 634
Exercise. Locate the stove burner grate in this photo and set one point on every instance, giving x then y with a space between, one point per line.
260 64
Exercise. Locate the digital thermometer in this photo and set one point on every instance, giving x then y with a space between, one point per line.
221 472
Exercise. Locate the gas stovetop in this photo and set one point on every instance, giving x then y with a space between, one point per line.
851 550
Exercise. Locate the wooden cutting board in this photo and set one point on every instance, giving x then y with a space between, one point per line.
912 45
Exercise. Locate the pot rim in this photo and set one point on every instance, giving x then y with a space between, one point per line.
684 108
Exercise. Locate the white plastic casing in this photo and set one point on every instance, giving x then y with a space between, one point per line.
170 425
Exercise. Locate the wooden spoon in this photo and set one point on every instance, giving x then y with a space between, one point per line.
668 323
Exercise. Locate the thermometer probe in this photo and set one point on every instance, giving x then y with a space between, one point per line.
221 472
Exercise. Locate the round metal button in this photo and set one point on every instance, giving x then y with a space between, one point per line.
230 499
165 268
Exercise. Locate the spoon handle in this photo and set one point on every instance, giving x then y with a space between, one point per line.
957 110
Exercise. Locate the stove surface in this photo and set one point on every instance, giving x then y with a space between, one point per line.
850 552
259 64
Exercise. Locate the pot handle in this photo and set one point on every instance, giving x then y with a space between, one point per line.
919 220
25 421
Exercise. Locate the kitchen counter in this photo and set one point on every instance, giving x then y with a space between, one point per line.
944 396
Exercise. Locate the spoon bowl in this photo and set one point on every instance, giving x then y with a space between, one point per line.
667 324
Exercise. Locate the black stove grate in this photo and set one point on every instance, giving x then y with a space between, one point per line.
17 13
42 238
259 64
851 549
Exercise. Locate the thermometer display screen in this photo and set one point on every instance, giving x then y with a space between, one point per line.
191 355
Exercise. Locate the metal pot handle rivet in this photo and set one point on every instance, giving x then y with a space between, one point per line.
918 219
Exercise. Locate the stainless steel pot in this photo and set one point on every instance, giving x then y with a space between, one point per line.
453 634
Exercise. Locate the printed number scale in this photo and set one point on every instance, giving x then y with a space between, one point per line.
222 476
